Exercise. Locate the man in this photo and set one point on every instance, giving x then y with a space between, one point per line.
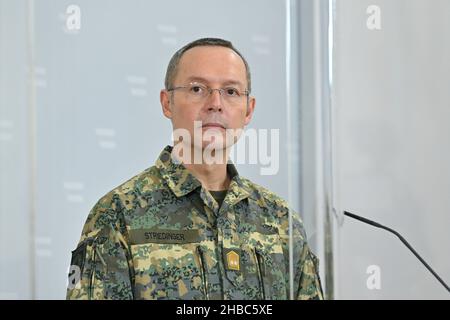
190 227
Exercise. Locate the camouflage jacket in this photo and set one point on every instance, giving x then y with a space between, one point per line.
161 235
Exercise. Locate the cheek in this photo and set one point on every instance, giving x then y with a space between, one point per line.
238 118
184 116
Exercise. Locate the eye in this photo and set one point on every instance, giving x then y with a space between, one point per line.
232 92
197 89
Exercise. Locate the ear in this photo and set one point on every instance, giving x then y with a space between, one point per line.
250 109
164 98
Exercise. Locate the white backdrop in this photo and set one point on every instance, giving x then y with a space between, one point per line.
80 114
391 146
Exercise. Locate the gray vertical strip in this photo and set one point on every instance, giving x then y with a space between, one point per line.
331 11
32 137
320 156
289 143
326 14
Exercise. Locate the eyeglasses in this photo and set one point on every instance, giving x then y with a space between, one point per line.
198 92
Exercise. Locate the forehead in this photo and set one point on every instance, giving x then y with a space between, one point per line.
213 63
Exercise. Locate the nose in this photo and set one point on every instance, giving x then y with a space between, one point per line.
215 100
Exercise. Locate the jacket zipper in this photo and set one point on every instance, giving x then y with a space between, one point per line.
203 272
261 272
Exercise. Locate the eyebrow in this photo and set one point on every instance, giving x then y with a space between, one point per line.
226 82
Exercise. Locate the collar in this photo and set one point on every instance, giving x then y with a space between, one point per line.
181 181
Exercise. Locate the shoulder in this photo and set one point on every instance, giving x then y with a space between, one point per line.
265 197
276 207
108 209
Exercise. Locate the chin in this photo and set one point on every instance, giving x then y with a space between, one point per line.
216 145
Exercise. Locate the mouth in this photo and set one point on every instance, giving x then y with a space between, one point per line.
213 125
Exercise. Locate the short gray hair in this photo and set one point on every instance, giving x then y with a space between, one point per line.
175 60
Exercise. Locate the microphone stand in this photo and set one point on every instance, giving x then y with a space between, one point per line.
375 224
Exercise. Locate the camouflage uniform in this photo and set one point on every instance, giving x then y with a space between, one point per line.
161 235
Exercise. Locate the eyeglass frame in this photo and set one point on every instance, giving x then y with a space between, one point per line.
210 90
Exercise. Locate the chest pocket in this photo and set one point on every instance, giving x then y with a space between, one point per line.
265 265
168 270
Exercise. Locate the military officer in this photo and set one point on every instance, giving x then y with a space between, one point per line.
188 228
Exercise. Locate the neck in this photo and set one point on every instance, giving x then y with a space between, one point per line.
213 176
